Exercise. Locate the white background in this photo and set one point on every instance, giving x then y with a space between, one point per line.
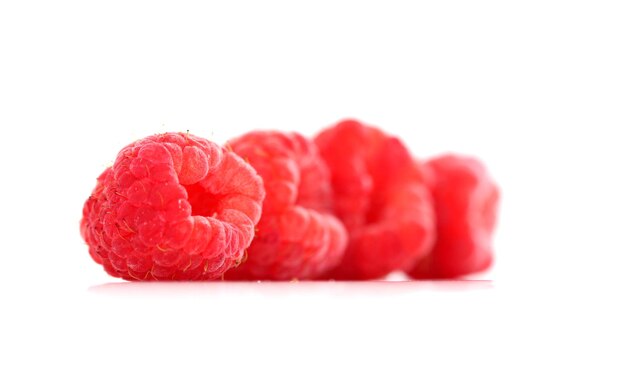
537 89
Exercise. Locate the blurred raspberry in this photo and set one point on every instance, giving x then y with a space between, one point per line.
466 201
381 196
297 237
172 207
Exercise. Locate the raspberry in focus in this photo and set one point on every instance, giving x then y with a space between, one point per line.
466 201
381 197
297 236
172 207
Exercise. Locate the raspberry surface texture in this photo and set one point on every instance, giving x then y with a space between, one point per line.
381 197
172 207
297 236
466 201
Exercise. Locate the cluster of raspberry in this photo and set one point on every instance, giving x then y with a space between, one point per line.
350 204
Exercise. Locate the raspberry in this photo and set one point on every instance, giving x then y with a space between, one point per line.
297 237
381 197
172 207
466 201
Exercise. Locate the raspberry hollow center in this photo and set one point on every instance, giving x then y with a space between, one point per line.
203 202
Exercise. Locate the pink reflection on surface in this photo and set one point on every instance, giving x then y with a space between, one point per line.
286 288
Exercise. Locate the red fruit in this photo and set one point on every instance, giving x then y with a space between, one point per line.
466 201
296 238
381 197
172 207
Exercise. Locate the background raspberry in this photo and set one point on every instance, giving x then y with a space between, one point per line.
380 195
172 207
466 201
297 237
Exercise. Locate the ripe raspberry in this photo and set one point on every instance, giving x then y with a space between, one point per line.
296 237
466 200
380 196
172 207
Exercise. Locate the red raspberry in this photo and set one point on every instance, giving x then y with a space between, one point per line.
296 238
380 196
466 201
172 207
